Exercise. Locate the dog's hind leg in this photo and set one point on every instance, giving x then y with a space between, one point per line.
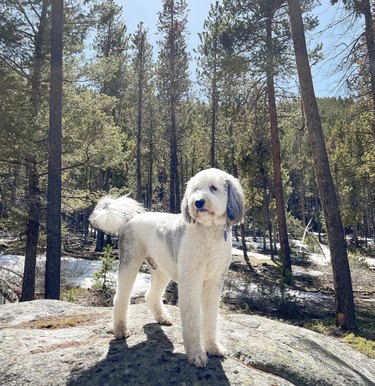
159 282
130 263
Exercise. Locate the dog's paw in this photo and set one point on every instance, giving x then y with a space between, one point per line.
198 358
164 320
120 331
215 349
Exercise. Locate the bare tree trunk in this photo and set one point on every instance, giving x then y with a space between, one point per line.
213 119
276 161
345 312
103 183
28 285
370 43
39 57
53 263
150 173
33 198
302 198
267 217
174 198
244 248
139 129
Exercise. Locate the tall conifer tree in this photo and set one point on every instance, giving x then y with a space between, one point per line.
142 63
111 44
173 83
210 72
345 311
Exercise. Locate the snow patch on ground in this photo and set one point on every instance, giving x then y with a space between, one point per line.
80 272
76 272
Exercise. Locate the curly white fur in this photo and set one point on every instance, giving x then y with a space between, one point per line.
192 248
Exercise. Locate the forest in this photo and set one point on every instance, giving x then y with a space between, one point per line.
129 118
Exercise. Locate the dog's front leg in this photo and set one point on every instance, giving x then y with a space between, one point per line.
210 309
190 295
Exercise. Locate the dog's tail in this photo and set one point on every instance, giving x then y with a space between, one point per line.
111 214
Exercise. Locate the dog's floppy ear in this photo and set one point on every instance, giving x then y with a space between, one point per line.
185 206
236 201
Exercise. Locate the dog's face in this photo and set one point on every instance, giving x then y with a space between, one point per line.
213 197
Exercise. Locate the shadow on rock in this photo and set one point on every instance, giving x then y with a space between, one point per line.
151 362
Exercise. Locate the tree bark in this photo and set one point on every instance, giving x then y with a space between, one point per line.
244 248
276 160
345 311
174 197
150 174
267 219
28 283
53 263
214 105
38 58
370 43
34 204
139 123
150 164
302 197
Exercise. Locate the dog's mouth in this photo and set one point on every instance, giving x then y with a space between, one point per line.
204 212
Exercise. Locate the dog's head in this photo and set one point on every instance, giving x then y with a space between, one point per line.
213 196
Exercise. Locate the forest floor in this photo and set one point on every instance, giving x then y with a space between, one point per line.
307 302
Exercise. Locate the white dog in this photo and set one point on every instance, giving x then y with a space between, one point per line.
192 248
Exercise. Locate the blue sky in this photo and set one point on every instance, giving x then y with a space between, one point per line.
334 37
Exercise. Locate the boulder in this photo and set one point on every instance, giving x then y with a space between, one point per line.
48 342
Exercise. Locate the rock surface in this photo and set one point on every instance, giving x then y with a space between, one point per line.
48 342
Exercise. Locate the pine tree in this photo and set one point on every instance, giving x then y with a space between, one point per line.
345 312
366 9
250 32
142 62
173 83
268 11
111 44
210 72
24 57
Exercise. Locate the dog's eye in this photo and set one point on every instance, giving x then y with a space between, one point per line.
213 188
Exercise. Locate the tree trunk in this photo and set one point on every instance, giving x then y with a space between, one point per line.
99 246
244 248
174 197
302 198
345 312
139 130
276 161
213 120
267 217
38 58
355 234
28 283
149 183
53 263
370 43
150 169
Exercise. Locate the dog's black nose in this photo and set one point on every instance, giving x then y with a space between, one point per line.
200 203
